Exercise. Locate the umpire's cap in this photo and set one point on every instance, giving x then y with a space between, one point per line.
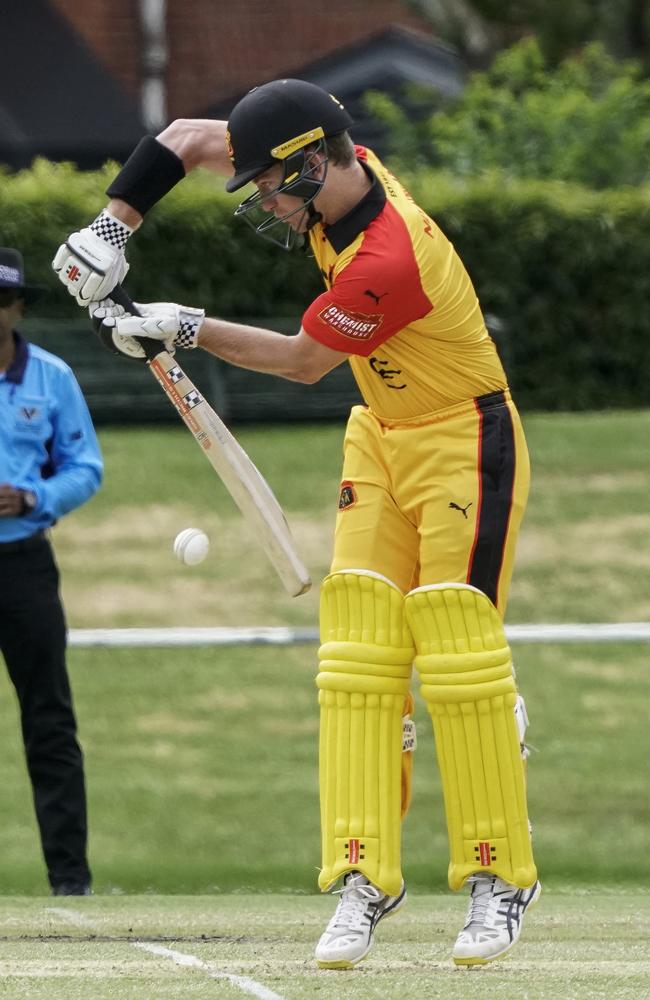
12 275
277 119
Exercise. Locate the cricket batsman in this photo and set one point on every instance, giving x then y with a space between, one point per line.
433 489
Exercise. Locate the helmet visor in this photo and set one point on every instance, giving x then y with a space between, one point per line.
303 183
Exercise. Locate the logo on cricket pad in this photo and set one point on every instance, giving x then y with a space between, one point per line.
347 496
355 851
485 853
356 325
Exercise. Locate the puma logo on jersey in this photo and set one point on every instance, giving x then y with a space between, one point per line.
463 510
371 295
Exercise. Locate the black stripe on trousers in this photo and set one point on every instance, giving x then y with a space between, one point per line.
496 484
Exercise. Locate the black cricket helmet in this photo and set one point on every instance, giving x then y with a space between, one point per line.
277 123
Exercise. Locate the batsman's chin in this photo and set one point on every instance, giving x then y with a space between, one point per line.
294 220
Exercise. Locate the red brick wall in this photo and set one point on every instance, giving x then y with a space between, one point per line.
110 28
218 48
226 48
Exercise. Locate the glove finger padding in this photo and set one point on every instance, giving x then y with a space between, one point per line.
127 347
175 325
104 315
105 309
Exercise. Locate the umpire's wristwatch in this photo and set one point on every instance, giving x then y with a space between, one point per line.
29 502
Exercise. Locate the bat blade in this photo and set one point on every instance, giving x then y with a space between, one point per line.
239 474
241 477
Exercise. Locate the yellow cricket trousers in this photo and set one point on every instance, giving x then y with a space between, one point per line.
435 499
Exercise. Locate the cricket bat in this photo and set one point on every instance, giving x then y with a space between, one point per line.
238 473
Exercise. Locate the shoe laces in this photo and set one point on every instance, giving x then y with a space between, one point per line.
480 898
357 897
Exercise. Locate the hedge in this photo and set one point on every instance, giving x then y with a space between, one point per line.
563 273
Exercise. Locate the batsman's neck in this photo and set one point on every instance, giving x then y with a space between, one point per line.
343 189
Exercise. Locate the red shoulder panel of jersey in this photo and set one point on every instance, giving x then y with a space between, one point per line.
377 294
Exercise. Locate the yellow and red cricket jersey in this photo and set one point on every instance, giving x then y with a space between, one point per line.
400 303
435 475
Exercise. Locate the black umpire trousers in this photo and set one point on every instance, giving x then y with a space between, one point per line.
33 643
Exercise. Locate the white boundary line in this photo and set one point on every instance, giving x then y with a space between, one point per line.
243 983
283 636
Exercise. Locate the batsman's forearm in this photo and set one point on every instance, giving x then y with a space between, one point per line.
199 142
124 213
254 348
156 165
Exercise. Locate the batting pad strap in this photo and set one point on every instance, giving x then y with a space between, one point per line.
468 684
363 694
149 173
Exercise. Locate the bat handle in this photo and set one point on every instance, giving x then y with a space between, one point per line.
150 347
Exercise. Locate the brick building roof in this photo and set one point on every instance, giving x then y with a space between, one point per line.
218 49
56 100
72 73
386 62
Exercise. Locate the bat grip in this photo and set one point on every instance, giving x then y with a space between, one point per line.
150 347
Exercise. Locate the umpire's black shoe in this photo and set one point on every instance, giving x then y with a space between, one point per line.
72 889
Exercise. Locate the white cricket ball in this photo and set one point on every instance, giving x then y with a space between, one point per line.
191 546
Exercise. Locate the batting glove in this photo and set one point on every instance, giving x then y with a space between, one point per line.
174 325
91 262
104 315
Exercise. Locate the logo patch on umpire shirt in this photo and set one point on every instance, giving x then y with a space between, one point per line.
347 496
356 325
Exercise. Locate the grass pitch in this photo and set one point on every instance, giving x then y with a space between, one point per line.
578 946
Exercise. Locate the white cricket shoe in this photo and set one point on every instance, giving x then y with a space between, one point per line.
348 936
494 918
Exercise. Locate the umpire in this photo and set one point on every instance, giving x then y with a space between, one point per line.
50 463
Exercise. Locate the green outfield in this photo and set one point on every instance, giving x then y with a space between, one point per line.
201 768
583 554
586 946
201 763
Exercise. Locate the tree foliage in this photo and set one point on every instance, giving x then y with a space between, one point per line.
564 269
480 27
586 121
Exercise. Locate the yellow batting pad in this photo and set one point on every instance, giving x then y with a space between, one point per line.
468 684
365 669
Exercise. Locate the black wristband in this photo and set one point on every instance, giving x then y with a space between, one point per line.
149 173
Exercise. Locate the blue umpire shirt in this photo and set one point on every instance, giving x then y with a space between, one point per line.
48 443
